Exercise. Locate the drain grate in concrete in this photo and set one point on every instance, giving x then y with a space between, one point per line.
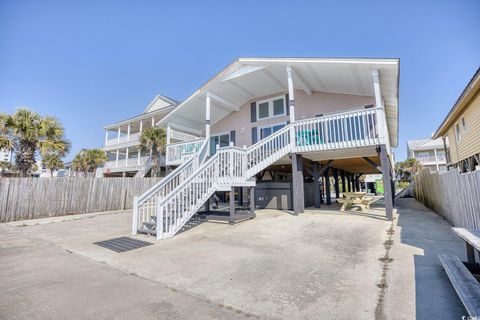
123 244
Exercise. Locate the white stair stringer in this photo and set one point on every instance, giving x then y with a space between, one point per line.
230 166
145 206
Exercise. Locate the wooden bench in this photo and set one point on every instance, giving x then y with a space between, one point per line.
464 282
467 287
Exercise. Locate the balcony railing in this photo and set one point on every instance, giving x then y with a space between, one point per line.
132 137
131 163
427 159
179 152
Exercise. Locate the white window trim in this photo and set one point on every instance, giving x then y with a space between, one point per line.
222 134
458 133
270 125
270 108
464 124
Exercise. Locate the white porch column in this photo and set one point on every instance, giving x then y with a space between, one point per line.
116 159
169 135
207 116
106 137
291 103
153 122
126 157
291 94
141 125
128 132
118 136
138 158
382 122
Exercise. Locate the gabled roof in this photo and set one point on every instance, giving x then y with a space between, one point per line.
160 102
247 79
472 88
425 144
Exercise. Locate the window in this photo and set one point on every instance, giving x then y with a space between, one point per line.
271 108
223 140
464 125
458 135
268 130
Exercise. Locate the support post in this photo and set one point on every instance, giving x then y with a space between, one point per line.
316 184
106 137
252 200
232 206
240 196
153 122
169 135
126 157
116 158
141 126
337 187
139 154
128 132
344 187
118 135
357 183
297 184
328 197
207 116
387 181
322 189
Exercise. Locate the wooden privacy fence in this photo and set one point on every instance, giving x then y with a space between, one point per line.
453 195
28 198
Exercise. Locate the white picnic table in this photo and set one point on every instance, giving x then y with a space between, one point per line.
355 199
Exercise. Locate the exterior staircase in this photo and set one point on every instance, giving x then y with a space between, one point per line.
165 208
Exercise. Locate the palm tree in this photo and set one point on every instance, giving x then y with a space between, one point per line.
53 162
153 140
26 133
88 160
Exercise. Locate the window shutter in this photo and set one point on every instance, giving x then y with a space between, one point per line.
287 106
254 135
232 136
253 111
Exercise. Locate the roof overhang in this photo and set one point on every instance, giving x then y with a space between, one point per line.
472 88
247 79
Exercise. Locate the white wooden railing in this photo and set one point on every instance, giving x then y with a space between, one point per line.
351 129
229 166
145 206
427 159
232 166
145 165
176 152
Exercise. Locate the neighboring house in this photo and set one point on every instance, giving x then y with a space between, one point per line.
460 130
122 140
430 153
289 120
6 155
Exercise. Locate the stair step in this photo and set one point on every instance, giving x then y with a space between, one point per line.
147 231
150 224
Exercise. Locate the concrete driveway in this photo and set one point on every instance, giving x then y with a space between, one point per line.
320 265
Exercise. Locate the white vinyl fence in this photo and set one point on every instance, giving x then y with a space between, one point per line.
29 198
453 195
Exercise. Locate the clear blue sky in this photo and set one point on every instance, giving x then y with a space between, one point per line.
91 63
